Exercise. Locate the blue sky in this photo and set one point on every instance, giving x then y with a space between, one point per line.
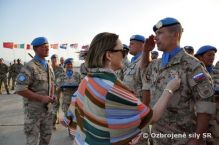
71 21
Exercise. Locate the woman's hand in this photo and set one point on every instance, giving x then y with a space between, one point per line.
174 84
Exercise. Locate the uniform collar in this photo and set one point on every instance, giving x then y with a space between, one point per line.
167 56
43 62
135 58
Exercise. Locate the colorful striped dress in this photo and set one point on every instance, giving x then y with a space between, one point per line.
105 112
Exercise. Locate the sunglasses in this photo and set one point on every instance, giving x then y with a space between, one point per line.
120 50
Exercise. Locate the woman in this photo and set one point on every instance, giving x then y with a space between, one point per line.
107 112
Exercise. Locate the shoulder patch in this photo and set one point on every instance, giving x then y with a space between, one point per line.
199 77
21 77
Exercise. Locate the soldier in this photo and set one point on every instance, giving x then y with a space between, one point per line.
3 75
83 68
35 83
62 62
206 54
136 46
189 50
58 70
154 55
196 88
68 81
120 72
16 71
11 72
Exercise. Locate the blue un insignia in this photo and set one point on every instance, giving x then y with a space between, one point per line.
21 78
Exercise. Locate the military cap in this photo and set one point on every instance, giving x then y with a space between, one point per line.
18 59
188 48
54 56
68 60
126 47
39 41
137 38
154 52
205 49
165 23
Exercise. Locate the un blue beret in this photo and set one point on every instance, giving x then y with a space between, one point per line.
137 38
189 48
39 41
154 52
165 23
54 56
125 47
205 49
68 60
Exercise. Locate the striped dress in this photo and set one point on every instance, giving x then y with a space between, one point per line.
105 112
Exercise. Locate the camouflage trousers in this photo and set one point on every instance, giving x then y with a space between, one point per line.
56 105
37 125
3 79
67 94
13 81
214 130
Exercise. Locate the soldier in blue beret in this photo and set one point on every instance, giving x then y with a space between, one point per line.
189 49
35 83
195 88
206 54
136 46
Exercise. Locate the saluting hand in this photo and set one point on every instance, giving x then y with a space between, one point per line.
149 44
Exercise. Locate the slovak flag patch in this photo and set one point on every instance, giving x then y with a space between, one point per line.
199 77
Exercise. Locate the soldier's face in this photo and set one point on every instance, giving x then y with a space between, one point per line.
43 50
135 47
1 61
164 39
208 58
54 60
69 66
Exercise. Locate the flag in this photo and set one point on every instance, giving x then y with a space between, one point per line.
8 45
85 47
63 46
74 45
54 46
28 46
20 46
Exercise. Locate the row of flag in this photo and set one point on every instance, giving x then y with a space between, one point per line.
12 45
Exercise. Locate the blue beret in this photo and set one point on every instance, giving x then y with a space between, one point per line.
154 52
54 56
205 49
39 41
165 23
68 60
137 38
189 48
126 47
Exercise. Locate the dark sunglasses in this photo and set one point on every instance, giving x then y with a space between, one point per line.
121 50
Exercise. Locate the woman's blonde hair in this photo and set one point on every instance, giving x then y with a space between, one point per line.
98 47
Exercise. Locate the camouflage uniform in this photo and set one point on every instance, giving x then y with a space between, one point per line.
130 74
57 71
214 123
3 77
196 90
37 116
11 73
83 70
120 72
68 86
16 71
